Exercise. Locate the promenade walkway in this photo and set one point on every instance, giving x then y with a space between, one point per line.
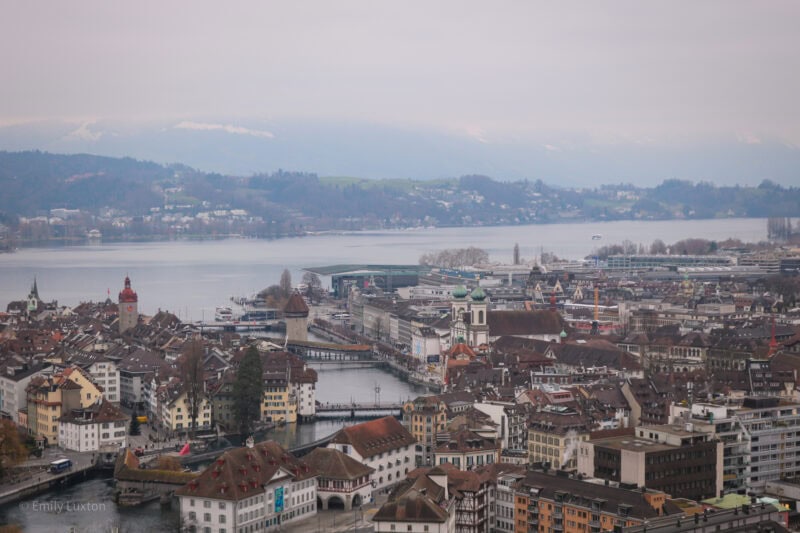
31 476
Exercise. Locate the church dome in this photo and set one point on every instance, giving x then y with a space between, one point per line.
460 292
478 295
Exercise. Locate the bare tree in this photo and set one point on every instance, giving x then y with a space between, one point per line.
455 257
658 247
286 283
312 283
378 327
191 365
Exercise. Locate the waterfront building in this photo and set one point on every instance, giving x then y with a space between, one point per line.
425 345
289 388
99 427
666 262
342 482
382 444
295 314
128 307
259 487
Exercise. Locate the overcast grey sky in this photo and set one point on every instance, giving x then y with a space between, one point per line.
629 71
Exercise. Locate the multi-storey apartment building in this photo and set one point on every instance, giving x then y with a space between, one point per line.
721 422
548 503
554 434
424 418
773 429
677 460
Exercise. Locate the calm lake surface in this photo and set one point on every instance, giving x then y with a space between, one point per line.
191 278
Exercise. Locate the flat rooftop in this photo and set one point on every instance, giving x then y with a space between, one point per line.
352 269
630 443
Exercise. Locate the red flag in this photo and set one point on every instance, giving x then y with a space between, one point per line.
184 450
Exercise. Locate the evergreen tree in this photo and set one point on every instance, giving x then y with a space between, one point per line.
248 390
135 427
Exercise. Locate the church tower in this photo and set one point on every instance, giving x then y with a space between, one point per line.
296 316
459 315
33 299
128 307
479 327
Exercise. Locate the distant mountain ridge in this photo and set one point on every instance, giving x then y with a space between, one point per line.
165 199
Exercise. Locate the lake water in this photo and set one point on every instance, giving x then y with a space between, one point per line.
191 278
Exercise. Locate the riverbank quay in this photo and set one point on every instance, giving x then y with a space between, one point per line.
36 477
397 360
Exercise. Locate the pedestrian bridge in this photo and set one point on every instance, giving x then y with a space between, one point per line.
358 410
325 351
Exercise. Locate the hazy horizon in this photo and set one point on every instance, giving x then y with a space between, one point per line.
583 93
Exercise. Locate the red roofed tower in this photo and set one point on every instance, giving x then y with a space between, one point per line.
295 314
128 307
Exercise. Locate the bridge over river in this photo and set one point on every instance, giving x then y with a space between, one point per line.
358 410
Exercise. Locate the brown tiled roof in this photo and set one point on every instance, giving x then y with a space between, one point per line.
411 506
102 411
578 490
332 464
465 441
242 472
524 323
594 353
375 437
296 305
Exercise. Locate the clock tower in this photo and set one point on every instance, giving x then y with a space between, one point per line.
128 307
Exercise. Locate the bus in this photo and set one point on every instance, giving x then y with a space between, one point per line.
60 465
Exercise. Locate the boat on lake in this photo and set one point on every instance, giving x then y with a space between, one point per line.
223 314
